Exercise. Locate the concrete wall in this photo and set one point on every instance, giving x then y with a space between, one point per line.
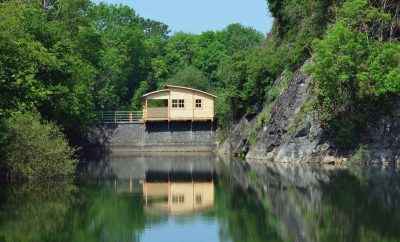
161 137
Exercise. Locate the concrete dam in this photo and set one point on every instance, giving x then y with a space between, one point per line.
125 139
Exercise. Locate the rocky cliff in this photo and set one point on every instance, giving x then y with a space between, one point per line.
291 132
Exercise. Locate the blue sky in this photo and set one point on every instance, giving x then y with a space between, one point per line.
196 16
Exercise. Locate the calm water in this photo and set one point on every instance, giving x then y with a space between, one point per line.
195 200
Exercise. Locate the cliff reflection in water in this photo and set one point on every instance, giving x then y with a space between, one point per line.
314 203
196 200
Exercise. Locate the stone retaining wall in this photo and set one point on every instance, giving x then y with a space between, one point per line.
159 137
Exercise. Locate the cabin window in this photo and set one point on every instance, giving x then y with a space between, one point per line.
199 199
178 199
181 103
178 103
174 103
198 103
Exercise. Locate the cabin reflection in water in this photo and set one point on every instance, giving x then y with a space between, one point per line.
178 193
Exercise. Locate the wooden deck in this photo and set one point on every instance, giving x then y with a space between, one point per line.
139 117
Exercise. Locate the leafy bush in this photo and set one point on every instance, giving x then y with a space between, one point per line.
355 69
36 148
336 63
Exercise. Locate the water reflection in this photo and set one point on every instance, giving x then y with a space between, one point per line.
330 204
197 201
178 196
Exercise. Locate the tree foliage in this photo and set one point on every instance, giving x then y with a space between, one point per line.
69 59
36 148
189 76
356 65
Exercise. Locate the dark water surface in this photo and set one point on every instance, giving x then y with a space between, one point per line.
194 199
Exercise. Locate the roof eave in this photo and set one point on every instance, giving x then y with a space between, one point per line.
155 92
188 88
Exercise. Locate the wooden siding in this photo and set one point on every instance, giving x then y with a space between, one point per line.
207 107
156 113
185 113
188 112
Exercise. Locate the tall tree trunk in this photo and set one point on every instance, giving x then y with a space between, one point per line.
395 22
45 4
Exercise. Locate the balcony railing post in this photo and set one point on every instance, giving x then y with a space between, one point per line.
117 117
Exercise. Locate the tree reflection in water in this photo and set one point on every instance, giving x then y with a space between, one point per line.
276 203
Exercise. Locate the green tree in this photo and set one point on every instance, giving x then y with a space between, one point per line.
236 38
180 51
190 77
46 153
355 70
137 98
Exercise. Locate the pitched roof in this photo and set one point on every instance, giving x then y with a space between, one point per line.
190 89
169 87
155 92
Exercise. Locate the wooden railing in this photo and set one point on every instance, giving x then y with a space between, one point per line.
118 117
156 113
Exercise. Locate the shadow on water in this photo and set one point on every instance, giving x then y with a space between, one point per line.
183 198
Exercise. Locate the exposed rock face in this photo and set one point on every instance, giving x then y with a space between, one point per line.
383 137
237 142
275 142
294 135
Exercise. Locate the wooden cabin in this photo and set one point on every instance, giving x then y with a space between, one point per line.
176 103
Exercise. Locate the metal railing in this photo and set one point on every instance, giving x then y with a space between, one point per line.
118 117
